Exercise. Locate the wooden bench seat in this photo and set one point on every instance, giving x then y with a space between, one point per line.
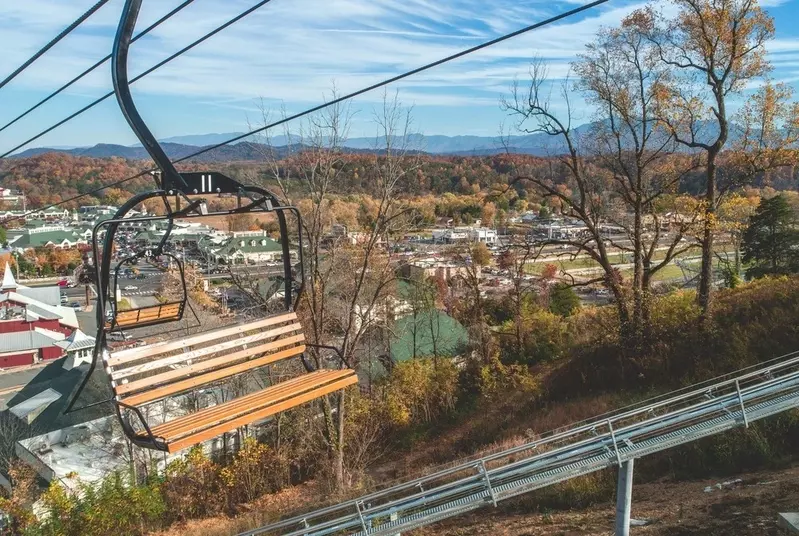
211 422
141 376
147 315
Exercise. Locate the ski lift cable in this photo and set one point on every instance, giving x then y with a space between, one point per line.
402 76
66 86
140 76
42 51
333 102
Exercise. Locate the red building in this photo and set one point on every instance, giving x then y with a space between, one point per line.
32 323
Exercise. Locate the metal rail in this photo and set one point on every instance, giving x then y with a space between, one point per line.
605 442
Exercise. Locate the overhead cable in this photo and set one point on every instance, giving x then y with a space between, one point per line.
140 76
96 65
77 22
327 104
402 76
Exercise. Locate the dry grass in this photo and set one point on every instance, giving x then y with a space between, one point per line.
267 509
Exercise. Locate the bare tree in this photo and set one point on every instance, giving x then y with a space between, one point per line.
12 429
349 278
517 256
621 176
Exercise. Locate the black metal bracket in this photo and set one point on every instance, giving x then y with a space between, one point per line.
136 439
119 73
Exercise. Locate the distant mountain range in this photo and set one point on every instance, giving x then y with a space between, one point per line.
181 146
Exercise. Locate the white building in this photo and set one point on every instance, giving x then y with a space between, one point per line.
8 195
465 234
451 236
483 234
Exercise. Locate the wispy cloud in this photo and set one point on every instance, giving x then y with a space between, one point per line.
290 51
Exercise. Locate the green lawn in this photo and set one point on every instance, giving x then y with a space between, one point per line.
617 258
667 273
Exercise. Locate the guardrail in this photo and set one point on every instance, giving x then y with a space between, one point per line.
653 426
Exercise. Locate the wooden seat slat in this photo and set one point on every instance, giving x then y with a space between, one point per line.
209 377
188 370
135 354
157 312
155 372
243 404
181 433
145 317
219 429
201 352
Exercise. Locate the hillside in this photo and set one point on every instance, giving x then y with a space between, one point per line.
52 177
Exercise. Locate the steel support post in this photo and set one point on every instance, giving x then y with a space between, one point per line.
624 498
394 517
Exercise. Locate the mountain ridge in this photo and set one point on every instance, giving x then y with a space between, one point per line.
181 146
536 144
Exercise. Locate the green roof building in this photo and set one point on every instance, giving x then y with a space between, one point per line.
426 334
31 238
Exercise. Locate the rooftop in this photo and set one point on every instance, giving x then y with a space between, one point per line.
55 377
22 341
426 333
77 341
66 314
92 450
27 410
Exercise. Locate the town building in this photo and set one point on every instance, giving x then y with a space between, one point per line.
50 214
57 236
33 323
433 268
10 196
451 236
246 247
465 234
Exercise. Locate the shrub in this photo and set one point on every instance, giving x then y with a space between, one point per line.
255 470
192 487
545 337
420 390
111 507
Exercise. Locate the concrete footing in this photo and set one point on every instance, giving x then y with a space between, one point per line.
788 522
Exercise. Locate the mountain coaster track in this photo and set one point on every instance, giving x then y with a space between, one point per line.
615 440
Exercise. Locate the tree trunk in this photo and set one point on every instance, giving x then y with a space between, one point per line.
338 467
638 278
704 296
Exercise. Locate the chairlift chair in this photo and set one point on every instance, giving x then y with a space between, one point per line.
185 365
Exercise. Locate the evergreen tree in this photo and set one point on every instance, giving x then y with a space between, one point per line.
563 300
771 242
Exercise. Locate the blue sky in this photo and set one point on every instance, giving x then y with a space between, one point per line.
290 53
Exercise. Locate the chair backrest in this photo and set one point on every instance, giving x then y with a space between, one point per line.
146 316
143 375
